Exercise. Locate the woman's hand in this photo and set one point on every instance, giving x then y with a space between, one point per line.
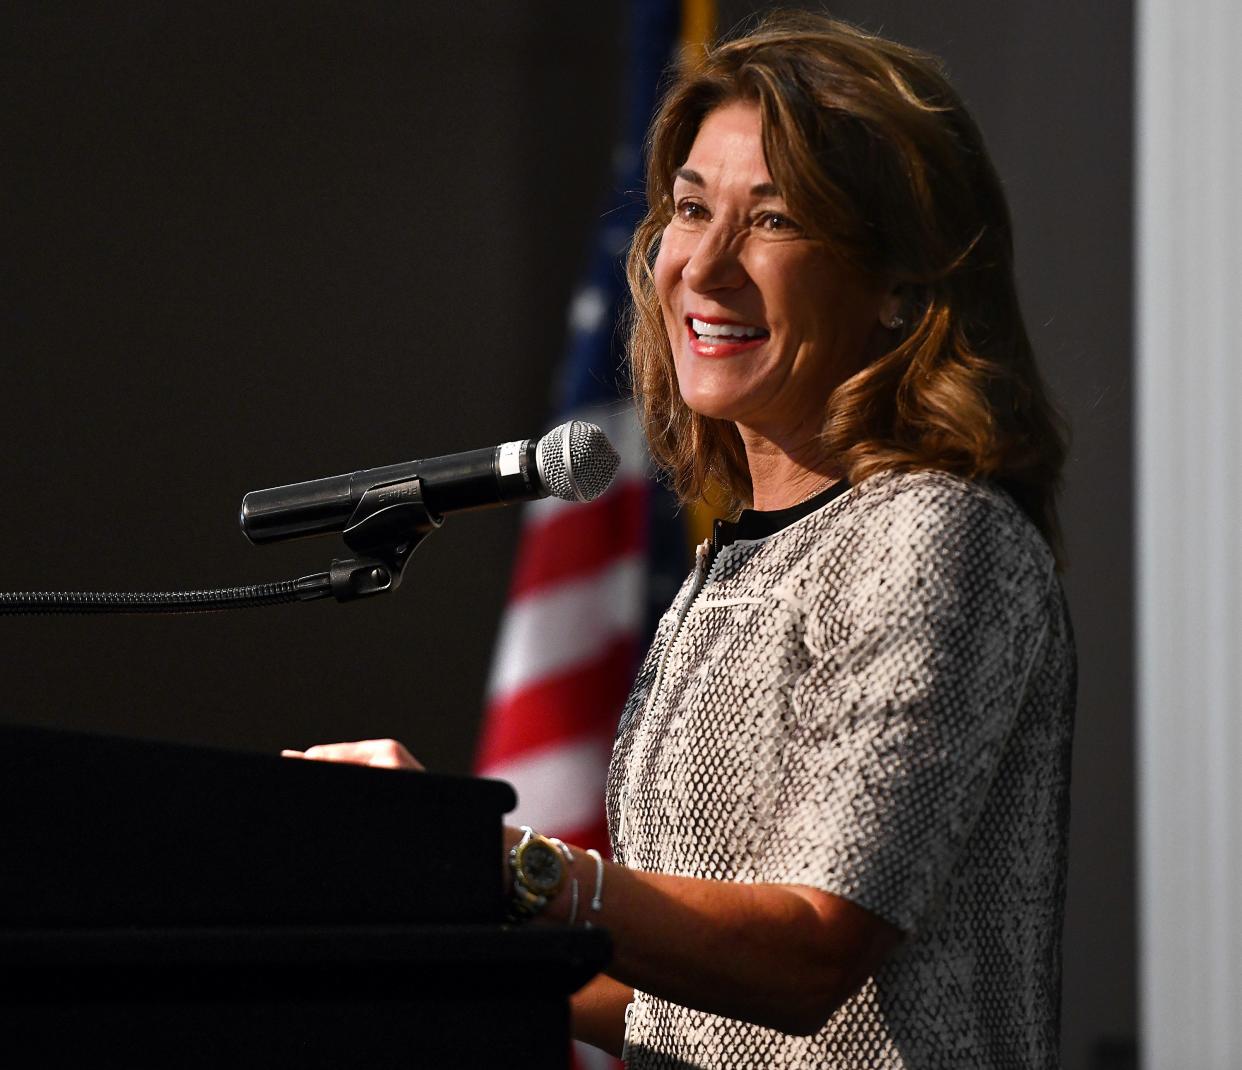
381 753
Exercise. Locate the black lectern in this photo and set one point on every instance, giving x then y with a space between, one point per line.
173 906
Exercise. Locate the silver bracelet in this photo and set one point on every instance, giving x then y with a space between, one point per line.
568 855
597 900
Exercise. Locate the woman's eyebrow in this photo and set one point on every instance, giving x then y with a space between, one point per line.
763 189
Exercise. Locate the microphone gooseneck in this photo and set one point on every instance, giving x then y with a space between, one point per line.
250 596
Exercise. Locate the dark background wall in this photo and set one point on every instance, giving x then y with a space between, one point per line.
253 244
244 245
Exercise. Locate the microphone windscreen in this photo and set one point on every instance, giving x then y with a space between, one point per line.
576 461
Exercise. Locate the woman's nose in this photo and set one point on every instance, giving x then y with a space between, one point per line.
715 264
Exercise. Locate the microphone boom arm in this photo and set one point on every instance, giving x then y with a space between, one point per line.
574 462
386 527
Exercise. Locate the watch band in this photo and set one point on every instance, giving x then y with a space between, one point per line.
539 866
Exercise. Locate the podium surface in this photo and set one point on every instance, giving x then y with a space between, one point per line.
164 905
102 831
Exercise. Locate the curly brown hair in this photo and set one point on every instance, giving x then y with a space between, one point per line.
877 157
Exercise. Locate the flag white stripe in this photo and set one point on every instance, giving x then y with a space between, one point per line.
552 630
559 787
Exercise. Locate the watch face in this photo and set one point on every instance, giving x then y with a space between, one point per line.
541 866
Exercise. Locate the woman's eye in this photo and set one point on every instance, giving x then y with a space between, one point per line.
774 221
691 211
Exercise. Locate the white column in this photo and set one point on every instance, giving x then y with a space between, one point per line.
1189 454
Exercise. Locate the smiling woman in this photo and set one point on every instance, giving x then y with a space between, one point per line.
837 795
857 152
733 262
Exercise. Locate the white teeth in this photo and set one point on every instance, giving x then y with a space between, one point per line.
724 330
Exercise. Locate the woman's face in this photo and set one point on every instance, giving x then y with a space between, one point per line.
764 321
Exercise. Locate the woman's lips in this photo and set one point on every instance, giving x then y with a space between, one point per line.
721 346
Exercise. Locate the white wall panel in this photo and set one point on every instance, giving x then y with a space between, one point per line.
1189 493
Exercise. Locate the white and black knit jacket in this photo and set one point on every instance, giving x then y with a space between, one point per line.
876 701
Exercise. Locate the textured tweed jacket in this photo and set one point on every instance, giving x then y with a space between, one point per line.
876 701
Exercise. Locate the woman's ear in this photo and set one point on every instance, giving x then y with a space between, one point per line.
890 309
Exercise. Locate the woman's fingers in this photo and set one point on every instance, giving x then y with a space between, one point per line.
381 753
390 754
339 752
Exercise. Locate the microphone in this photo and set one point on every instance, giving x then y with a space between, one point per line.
574 462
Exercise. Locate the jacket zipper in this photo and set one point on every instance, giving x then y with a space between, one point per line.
630 1008
702 573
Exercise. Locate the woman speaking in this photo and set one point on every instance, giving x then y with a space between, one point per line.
838 794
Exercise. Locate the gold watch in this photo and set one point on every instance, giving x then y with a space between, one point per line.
539 873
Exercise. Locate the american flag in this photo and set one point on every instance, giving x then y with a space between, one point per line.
590 580
586 576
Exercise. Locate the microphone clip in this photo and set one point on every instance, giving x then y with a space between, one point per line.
384 530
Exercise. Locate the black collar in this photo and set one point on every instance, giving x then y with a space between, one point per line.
755 524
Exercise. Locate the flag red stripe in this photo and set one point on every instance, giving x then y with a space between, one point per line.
586 701
582 540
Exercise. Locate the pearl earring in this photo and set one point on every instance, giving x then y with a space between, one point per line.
895 322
